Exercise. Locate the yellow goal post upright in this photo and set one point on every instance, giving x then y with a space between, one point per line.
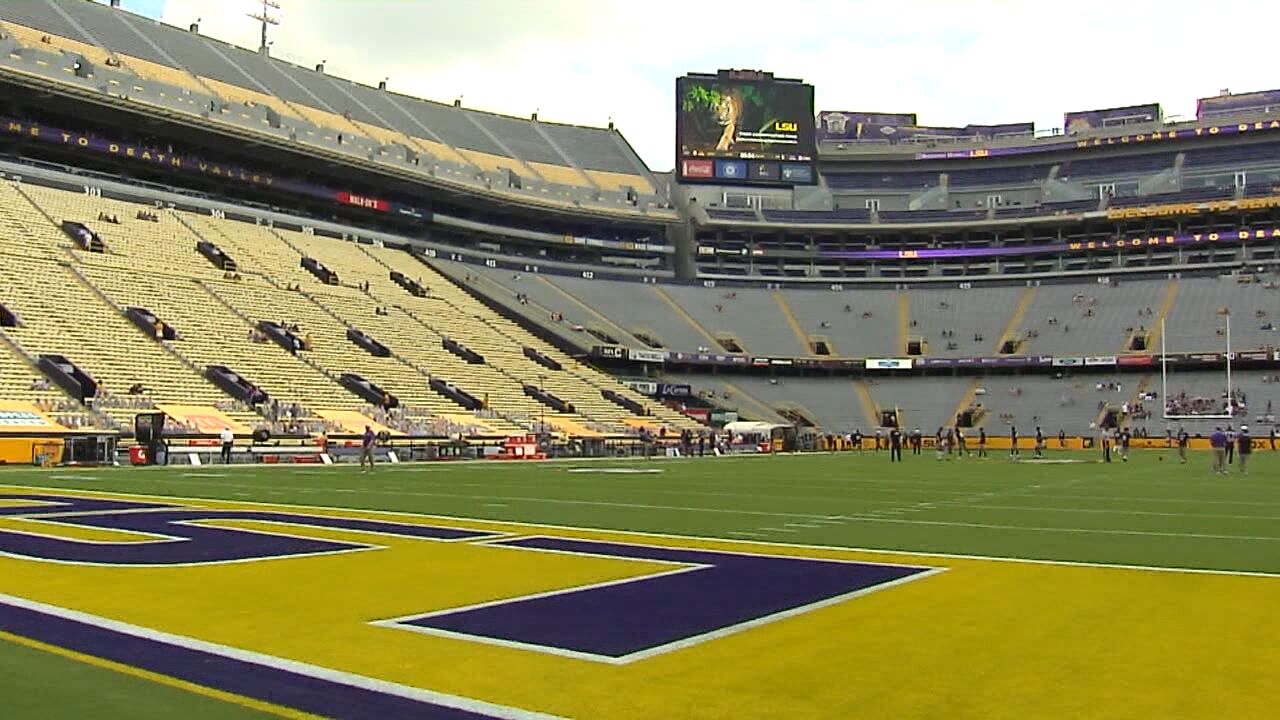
1228 407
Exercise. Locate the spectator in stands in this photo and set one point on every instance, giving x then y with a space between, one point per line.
306 342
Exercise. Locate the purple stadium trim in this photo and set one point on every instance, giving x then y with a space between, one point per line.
709 594
294 685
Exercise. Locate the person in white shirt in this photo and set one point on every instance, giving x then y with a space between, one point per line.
228 440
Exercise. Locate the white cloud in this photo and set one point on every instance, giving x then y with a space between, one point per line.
983 61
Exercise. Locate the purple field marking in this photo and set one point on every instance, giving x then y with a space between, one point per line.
280 682
619 621
71 504
183 542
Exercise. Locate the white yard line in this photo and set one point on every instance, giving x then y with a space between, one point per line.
763 543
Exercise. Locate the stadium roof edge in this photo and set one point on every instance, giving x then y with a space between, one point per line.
315 153
144 18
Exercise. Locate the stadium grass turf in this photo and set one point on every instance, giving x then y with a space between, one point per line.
39 684
1149 511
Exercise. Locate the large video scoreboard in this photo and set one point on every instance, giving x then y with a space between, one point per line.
744 127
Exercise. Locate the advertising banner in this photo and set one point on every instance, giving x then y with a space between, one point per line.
1154 136
1132 243
642 387
171 159
888 363
653 356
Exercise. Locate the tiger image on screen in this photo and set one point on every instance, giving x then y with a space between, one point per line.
728 110
743 120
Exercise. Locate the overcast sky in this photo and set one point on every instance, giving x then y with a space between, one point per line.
952 62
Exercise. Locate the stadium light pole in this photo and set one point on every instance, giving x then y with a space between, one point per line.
266 18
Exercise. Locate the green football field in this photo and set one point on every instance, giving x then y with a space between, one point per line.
1151 511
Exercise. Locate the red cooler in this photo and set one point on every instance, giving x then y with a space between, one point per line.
137 455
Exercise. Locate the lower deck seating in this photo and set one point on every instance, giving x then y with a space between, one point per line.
63 315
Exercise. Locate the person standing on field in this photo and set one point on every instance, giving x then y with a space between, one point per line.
982 442
1013 441
1183 441
366 449
228 439
895 445
1231 446
1039 442
1218 441
1245 446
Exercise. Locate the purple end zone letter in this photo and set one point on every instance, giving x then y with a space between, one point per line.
618 622
183 541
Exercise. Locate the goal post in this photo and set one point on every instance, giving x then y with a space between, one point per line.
1225 409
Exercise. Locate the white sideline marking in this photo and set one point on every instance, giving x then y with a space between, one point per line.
705 538
618 471
1110 511
315 671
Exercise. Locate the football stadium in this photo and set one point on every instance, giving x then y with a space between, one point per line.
319 399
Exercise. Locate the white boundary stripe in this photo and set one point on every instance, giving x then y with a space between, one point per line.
1101 511
854 517
294 666
704 538
397 623
1079 531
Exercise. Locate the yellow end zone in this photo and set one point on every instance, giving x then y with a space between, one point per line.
987 639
